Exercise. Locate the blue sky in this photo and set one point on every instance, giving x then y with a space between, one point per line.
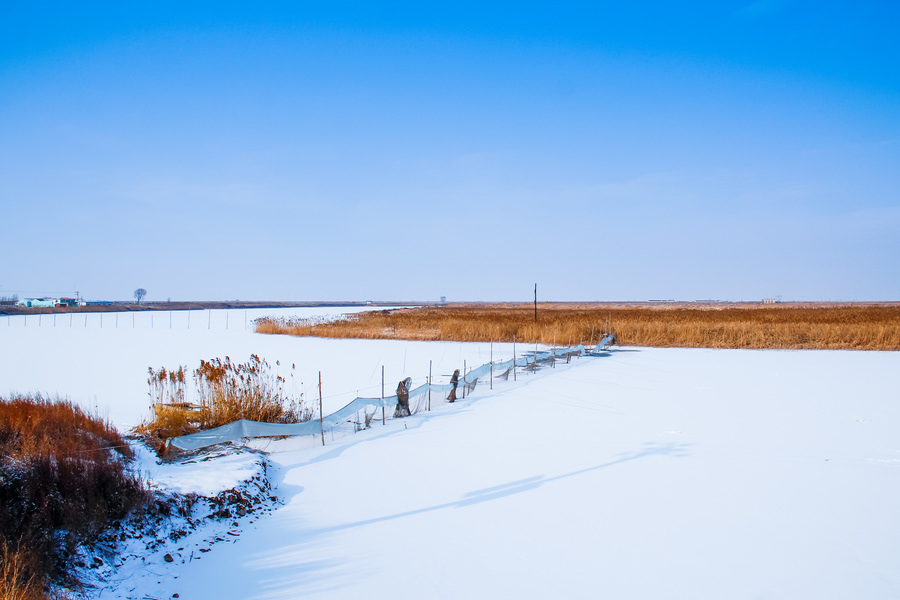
301 151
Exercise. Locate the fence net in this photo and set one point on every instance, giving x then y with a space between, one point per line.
361 411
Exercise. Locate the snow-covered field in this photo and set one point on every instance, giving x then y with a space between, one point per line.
648 473
104 365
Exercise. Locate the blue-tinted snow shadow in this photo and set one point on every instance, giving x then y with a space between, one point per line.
672 449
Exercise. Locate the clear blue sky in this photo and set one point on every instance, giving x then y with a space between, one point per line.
301 151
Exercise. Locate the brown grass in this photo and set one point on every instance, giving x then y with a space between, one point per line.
854 326
18 570
62 483
226 391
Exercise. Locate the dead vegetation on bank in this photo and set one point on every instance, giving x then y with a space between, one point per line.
789 326
226 391
63 482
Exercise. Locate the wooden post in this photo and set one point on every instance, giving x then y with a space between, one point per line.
429 385
514 357
382 395
321 420
592 336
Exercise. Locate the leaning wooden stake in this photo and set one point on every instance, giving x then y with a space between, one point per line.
321 420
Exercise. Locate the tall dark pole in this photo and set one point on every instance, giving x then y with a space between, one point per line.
535 303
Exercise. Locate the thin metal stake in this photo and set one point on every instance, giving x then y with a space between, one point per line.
382 394
429 386
321 421
514 357
492 363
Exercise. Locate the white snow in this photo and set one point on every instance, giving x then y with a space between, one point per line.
649 473
204 477
105 368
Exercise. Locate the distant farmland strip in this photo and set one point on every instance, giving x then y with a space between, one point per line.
786 326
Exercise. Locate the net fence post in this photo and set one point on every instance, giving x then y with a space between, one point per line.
514 357
429 386
382 395
464 380
492 363
321 420
554 349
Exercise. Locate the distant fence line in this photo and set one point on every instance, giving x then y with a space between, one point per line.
177 319
419 400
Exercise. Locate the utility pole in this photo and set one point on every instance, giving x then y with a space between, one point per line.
535 303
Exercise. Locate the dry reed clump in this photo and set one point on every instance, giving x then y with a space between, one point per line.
226 391
862 327
62 483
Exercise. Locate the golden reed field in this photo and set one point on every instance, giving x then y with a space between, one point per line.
858 326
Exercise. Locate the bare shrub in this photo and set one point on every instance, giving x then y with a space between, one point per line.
62 482
226 391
